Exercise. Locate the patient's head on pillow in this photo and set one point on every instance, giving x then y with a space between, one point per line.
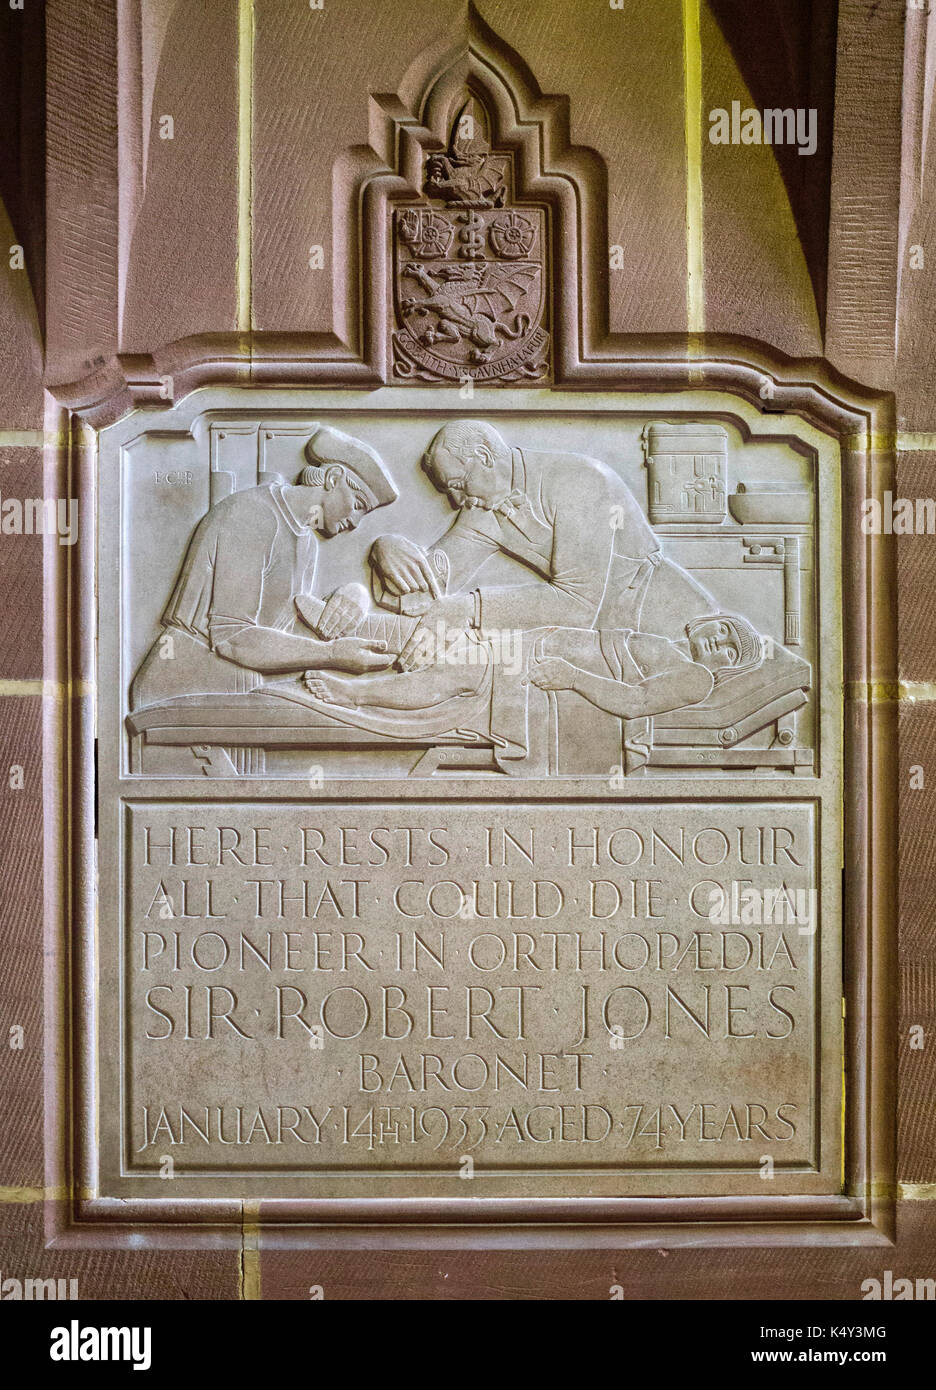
727 644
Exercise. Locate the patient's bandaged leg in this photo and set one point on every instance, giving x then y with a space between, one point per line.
397 690
448 696
385 627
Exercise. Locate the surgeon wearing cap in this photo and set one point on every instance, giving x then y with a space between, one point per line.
243 606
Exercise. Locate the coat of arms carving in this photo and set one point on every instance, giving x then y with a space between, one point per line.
470 269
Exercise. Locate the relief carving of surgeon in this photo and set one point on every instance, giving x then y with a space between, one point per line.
244 607
595 561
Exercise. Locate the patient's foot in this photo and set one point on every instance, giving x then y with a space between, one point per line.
331 690
391 690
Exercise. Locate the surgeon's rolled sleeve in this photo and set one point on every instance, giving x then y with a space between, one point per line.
237 589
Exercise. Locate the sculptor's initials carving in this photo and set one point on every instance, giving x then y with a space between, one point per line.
469 269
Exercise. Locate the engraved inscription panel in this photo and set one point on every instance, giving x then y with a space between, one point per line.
531 986
469 792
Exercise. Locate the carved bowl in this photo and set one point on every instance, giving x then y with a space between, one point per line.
770 505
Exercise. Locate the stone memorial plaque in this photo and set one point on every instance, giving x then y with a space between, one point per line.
491 822
469 798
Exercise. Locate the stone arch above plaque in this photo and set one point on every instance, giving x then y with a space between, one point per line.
485 886
468 157
484 244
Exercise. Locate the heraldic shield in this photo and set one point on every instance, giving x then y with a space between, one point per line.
469 269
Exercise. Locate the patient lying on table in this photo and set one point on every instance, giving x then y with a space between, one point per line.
626 673
638 674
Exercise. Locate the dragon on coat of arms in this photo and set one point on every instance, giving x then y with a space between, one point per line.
467 302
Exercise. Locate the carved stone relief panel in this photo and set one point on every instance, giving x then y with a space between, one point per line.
417 596
470 795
